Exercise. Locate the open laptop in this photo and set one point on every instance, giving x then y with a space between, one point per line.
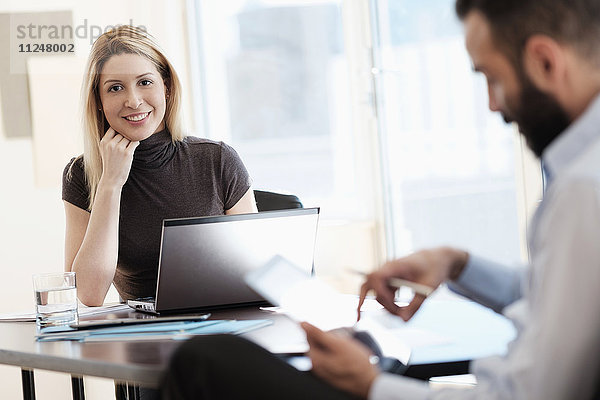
203 260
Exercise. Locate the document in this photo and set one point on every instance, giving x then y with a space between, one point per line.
306 298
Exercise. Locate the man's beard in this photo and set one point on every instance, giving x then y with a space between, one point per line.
539 116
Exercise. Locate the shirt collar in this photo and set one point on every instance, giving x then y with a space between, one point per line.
574 140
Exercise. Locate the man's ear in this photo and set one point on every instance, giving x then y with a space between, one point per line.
544 63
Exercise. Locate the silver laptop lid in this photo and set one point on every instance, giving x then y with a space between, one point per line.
203 261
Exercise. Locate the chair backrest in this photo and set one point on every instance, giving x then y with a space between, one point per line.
271 201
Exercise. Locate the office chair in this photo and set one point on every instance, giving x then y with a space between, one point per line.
271 201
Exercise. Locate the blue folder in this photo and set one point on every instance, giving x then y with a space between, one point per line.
179 330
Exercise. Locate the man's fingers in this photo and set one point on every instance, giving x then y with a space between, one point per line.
388 301
364 289
385 294
309 328
322 352
407 312
317 338
320 366
313 334
319 358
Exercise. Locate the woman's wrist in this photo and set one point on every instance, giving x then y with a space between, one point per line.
107 192
108 185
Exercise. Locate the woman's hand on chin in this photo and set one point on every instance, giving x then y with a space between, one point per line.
117 155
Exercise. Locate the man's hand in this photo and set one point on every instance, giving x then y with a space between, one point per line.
427 267
340 360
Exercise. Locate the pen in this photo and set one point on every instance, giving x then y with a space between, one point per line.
423 290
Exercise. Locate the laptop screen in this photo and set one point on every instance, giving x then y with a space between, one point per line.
203 261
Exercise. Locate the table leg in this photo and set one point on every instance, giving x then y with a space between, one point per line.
133 392
77 386
120 391
28 384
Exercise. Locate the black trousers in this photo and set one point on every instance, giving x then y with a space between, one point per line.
229 367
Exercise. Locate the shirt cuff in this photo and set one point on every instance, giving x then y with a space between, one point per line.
471 272
393 387
491 284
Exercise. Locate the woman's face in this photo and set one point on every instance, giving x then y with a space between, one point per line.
132 94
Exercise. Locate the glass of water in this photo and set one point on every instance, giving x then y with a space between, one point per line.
55 299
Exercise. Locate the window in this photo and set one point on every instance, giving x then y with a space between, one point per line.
369 110
274 79
450 162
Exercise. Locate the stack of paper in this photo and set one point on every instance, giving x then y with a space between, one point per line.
151 331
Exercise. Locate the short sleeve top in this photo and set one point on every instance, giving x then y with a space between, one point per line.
191 178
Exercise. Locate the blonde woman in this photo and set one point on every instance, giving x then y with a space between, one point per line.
137 169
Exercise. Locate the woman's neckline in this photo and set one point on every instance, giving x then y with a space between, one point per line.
154 151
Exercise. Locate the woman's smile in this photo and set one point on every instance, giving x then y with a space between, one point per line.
138 118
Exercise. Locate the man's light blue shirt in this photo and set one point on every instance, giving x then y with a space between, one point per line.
554 302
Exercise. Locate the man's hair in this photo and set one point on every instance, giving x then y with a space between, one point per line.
575 23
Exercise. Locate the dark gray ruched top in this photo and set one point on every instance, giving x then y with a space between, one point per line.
192 178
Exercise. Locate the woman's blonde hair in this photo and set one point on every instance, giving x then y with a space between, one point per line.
123 39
